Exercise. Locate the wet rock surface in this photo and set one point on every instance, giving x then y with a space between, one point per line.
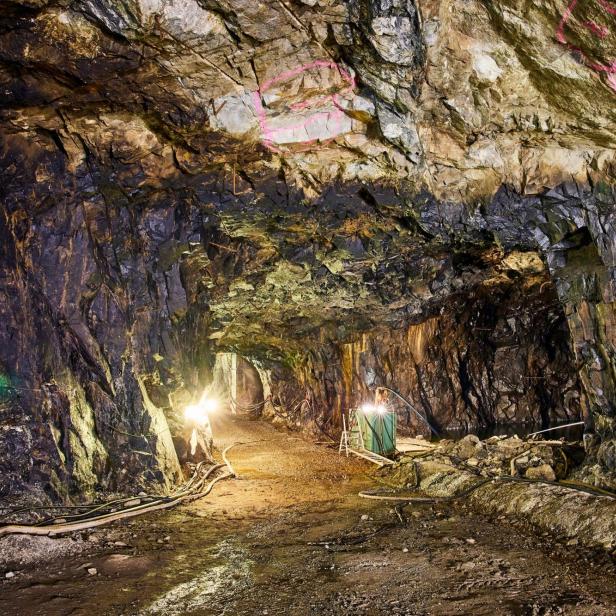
292 537
535 481
500 356
180 178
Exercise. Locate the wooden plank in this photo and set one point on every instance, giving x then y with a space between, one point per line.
408 444
375 458
405 442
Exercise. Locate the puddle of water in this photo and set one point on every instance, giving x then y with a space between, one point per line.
214 586
522 430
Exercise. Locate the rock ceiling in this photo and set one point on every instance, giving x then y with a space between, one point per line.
182 176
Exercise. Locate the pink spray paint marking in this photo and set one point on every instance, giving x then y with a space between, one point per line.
317 102
601 31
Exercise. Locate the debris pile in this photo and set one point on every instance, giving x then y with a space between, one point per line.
533 481
496 456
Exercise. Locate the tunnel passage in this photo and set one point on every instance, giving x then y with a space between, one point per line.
238 384
234 389
260 212
497 356
249 400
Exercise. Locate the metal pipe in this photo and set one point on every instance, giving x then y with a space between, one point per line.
577 423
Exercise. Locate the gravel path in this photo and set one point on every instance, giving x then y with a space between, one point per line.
290 536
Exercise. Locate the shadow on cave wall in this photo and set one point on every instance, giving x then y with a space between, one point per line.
498 356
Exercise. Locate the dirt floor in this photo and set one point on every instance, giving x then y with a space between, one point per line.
291 536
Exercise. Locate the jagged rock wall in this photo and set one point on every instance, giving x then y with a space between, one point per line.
182 177
459 97
499 355
75 351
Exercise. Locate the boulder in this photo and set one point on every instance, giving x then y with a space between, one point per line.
543 472
465 449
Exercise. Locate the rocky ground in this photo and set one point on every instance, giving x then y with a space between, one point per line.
291 536
533 458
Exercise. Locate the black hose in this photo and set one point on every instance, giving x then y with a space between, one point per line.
101 509
424 419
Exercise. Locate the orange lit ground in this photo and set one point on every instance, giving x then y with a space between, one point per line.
288 538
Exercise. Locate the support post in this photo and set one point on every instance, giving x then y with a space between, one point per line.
234 382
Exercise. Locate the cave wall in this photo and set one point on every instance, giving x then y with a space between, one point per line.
115 310
582 263
499 356
82 327
282 179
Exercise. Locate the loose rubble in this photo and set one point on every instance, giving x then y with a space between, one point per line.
497 456
533 480
502 455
